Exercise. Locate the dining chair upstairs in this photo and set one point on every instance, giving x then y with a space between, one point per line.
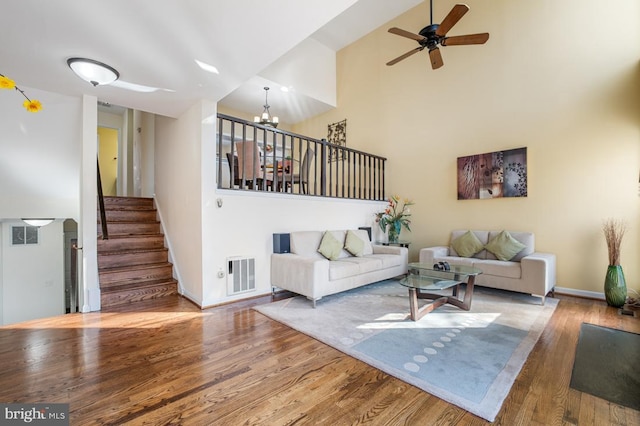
250 166
302 177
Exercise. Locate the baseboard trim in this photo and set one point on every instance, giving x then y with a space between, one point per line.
580 293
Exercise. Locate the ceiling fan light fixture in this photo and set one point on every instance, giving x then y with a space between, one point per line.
266 119
94 72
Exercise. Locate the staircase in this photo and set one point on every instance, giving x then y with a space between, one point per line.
133 263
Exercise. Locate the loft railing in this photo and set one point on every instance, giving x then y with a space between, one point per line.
252 157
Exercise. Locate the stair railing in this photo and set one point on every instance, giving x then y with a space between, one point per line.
103 213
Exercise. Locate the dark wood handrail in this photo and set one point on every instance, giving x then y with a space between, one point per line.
103 213
338 171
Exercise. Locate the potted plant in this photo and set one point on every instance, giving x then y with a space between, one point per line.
395 216
615 286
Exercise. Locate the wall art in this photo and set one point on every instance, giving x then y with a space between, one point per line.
493 175
337 135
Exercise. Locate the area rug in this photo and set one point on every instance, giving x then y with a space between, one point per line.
468 358
606 365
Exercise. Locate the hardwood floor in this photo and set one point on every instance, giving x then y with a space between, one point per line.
170 363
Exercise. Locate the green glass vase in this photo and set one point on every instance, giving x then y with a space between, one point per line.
394 231
615 286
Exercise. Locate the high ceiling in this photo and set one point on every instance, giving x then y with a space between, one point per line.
156 43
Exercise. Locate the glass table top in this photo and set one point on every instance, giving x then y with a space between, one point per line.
423 276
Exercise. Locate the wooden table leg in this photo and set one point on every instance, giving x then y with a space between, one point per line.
464 304
439 300
417 312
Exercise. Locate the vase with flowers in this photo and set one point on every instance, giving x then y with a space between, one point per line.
395 216
615 285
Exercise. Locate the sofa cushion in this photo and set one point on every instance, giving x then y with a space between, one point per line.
364 236
354 244
339 269
365 263
306 243
504 246
388 260
330 246
499 268
467 244
526 238
455 260
483 237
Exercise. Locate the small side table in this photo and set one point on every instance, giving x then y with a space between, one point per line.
397 243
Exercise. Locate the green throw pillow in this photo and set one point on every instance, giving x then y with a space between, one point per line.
354 244
467 244
504 246
330 247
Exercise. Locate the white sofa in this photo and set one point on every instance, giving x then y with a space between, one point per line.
307 272
528 272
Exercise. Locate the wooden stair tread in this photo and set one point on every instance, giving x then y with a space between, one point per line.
122 236
130 222
131 251
139 284
134 267
131 207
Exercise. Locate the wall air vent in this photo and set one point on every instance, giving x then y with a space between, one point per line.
241 275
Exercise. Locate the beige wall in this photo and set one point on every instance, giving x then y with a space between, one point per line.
560 78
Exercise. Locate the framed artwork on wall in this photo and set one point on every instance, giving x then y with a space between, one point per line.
337 135
493 175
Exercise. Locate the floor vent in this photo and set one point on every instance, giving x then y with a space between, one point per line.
241 275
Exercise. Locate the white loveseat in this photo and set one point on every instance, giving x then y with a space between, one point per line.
527 272
307 272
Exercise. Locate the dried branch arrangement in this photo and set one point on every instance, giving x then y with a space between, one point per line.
614 230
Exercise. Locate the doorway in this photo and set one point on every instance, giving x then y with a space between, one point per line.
108 160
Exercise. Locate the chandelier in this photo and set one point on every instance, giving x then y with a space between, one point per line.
266 119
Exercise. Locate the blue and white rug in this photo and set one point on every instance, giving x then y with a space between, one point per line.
468 358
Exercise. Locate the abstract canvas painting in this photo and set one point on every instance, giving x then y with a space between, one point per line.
493 175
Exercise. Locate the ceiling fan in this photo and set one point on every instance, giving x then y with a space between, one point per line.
436 34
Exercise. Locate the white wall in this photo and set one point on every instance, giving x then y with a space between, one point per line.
87 235
40 164
178 198
309 68
32 274
40 156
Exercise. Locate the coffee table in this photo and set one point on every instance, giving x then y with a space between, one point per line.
423 277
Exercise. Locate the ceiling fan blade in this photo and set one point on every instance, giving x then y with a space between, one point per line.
436 58
466 39
405 56
407 34
451 19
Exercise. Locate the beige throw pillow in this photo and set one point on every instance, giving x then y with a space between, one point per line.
504 246
467 244
330 247
354 244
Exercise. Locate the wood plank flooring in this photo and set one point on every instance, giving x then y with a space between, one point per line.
169 363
